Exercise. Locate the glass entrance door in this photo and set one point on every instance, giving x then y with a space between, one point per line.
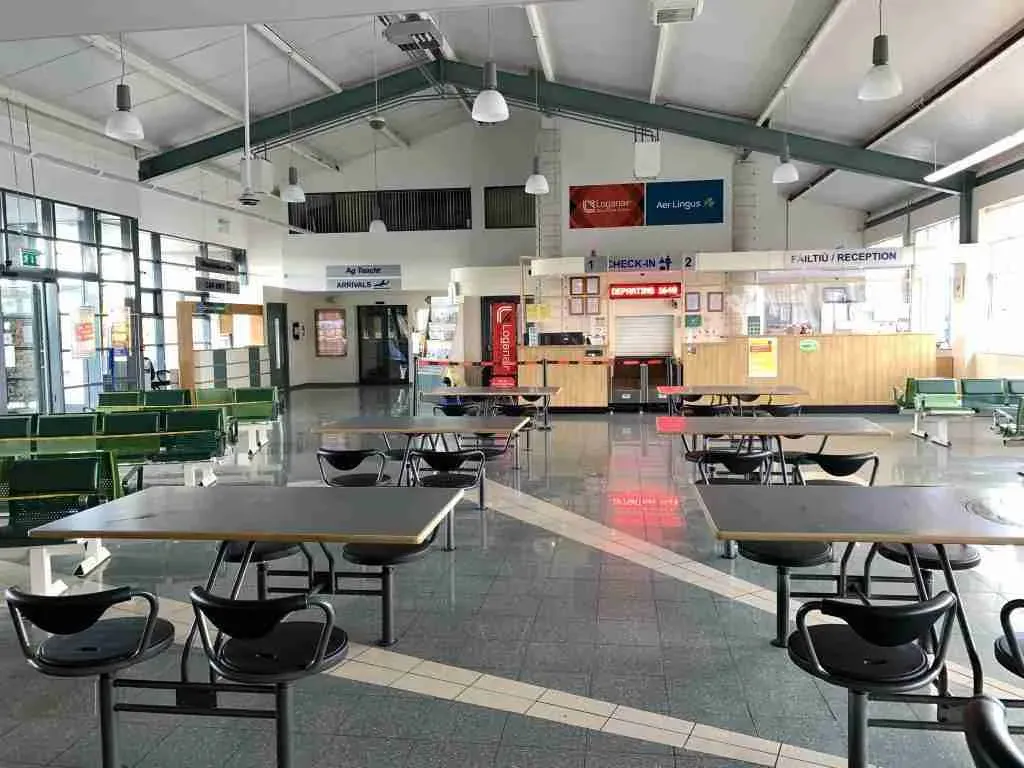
24 363
383 344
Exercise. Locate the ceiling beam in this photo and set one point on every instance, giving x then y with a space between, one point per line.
303 62
538 28
828 24
162 74
1010 41
302 119
570 100
658 73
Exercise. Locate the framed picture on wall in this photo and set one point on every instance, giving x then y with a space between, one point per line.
576 286
593 286
715 301
331 333
693 302
576 305
593 305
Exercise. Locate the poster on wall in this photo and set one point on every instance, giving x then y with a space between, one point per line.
685 202
503 342
331 333
83 345
606 205
762 358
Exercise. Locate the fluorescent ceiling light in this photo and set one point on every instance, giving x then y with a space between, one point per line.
994 149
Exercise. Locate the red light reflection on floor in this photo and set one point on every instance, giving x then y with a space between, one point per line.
645 514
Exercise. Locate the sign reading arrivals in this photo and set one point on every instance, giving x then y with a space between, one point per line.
364 277
853 259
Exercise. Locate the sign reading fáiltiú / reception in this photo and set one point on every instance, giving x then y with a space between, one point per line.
364 277
850 259
685 202
606 205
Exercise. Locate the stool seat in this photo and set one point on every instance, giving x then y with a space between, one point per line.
103 644
284 653
380 555
262 552
395 454
854 663
962 557
358 480
1005 656
449 480
787 554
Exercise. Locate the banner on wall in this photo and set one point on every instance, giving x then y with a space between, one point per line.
597 206
503 343
762 358
685 202
83 345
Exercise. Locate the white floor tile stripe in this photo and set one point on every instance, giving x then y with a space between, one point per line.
544 514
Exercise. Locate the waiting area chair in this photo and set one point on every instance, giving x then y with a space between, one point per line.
988 738
256 645
874 650
83 643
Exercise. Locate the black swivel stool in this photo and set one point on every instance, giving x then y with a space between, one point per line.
519 411
84 644
694 454
463 469
793 459
876 650
263 554
962 557
1008 647
988 738
259 647
347 460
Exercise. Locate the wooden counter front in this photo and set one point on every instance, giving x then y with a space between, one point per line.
583 386
845 369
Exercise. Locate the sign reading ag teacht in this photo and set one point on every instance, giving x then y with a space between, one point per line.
606 205
685 202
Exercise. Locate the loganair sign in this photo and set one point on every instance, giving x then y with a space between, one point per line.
852 259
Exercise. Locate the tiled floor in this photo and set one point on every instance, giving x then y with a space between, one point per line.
584 620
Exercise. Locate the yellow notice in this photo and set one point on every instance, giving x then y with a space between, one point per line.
762 358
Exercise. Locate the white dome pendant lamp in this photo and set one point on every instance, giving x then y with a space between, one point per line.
122 124
881 81
785 172
489 105
537 183
293 192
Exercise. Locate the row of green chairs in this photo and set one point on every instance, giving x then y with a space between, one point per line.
151 398
946 394
243 404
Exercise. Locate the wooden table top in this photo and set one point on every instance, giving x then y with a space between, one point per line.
264 513
789 426
899 514
495 391
731 390
425 425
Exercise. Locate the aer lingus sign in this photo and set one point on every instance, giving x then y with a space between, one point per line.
685 202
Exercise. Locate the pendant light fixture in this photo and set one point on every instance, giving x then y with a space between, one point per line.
292 192
881 81
785 172
377 224
489 105
122 124
537 183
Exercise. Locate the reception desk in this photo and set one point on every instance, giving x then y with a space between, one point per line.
584 385
837 369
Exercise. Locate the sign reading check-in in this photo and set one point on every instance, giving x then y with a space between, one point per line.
364 277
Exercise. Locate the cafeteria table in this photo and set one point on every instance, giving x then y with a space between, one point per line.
419 426
253 514
729 391
494 393
768 426
935 515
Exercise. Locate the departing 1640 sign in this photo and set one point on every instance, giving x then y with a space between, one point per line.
645 290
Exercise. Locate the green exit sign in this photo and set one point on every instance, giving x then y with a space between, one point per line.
29 257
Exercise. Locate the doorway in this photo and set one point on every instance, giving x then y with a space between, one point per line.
277 343
488 310
383 344
27 315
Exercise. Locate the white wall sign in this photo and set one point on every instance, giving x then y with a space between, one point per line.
364 277
852 259
665 263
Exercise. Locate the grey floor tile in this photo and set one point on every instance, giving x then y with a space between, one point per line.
566 630
559 657
442 755
363 752
628 632
602 760
610 743
641 692
44 739
521 731
135 741
198 747
577 683
400 718
533 757
477 725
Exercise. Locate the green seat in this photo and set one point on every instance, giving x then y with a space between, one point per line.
983 394
196 434
66 432
16 435
936 393
131 436
255 404
905 399
214 396
1014 390
118 401
45 489
166 398
109 487
1009 422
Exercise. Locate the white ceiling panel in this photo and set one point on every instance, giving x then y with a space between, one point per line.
348 56
737 53
305 33
177 119
223 57
511 41
20 57
268 86
607 45
67 75
99 99
973 116
169 45
863 193
928 40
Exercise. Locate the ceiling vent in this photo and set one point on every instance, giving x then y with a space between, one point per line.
414 34
665 12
